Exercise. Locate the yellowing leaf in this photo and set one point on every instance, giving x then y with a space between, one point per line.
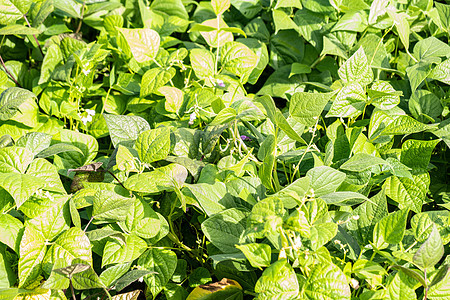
217 290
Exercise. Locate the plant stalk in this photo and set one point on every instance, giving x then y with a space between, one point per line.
7 72
35 38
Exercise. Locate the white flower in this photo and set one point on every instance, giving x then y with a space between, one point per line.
85 72
86 119
354 283
90 112
356 217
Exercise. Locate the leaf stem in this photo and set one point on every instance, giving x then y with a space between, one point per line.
72 290
306 150
318 60
425 287
7 72
378 45
89 223
35 38
114 176
250 293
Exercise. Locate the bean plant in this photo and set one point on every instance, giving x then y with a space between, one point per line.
224 149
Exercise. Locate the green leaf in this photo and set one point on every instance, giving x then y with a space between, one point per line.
31 255
125 129
342 198
412 273
211 197
45 9
402 25
404 125
71 160
69 8
309 27
199 276
141 220
266 217
109 206
225 228
112 274
417 73
366 215
71 244
322 233
307 107
355 21
387 97
441 72
213 38
441 289
153 145
161 179
431 47
425 106
86 279
143 43
117 252
174 291
161 261
220 6
15 159
392 227
325 180
431 252
130 277
326 281
11 99
417 154
409 193
12 231
202 62
286 47
7 276
349 102
54 220
238 59
259 255
174 98
293 194
155 78
13 10
444 13
282 20
278 281
35 141
20 186
57 149
362 161
400 287
19 30
43 170
356 69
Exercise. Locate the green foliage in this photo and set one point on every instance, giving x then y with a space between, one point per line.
236 149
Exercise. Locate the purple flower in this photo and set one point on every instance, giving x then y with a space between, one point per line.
245 138
220 83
